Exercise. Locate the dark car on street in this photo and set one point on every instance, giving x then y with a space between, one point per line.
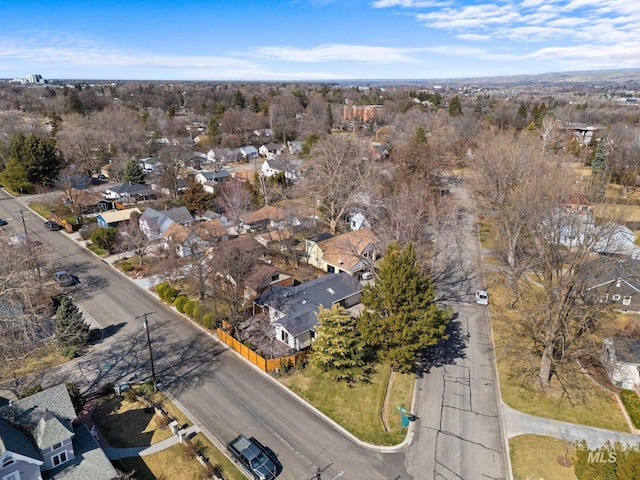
65 279
53 226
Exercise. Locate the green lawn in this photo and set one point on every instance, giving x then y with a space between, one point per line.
357 407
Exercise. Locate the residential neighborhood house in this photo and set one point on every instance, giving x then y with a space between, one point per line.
292 310
39 440
353 252
274 166
621 360
129 192
113 218
154 223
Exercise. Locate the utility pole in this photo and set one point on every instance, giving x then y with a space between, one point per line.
145 324
24 226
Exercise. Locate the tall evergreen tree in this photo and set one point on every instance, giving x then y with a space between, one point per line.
339 349
455 108
330 120
133 172
239 100
400 316
39 157
15 178
72 333
196 199
599 168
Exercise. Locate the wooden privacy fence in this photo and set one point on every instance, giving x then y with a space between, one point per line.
264 364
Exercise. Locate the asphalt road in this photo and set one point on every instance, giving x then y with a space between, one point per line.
457 432
457 402
218 390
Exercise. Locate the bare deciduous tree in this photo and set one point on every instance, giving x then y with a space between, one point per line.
337 176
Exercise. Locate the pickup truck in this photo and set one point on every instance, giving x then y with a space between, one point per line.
258 460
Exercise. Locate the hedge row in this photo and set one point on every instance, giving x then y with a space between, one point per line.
185 305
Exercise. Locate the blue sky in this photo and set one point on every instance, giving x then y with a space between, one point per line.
314 39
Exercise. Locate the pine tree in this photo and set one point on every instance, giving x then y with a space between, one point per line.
14 177
196 198
330 120
401 317
38 156
72 333
599 169
522 111
339 350
133 172
455 108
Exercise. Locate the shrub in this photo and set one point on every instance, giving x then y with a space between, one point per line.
632 404
170 294
105 238
76 397
126 266
180 302
106 389
191 308
161 289
27 392
146 388
209 320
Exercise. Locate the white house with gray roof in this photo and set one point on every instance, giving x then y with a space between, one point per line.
292 310
38 439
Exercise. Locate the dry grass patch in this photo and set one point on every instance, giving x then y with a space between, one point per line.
168 464
357 407
38 360
129 423
536 457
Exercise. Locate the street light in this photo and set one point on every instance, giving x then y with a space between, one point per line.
145 324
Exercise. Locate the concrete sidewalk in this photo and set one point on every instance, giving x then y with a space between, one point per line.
117 453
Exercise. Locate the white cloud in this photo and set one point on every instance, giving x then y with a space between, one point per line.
337 52
481 16
406 3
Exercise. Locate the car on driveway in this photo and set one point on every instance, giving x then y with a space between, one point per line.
53 226
2 222
482 297
64 278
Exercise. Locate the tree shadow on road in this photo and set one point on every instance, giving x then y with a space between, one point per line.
446 351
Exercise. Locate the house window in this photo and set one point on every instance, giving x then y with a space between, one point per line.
285 337
616 298
59 458
626 300
56 446
8 461
274 278
605 298
12 476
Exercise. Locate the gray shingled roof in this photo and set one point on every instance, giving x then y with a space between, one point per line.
627 350
300 303
16 441
28 411
179 215
90 462
51 430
